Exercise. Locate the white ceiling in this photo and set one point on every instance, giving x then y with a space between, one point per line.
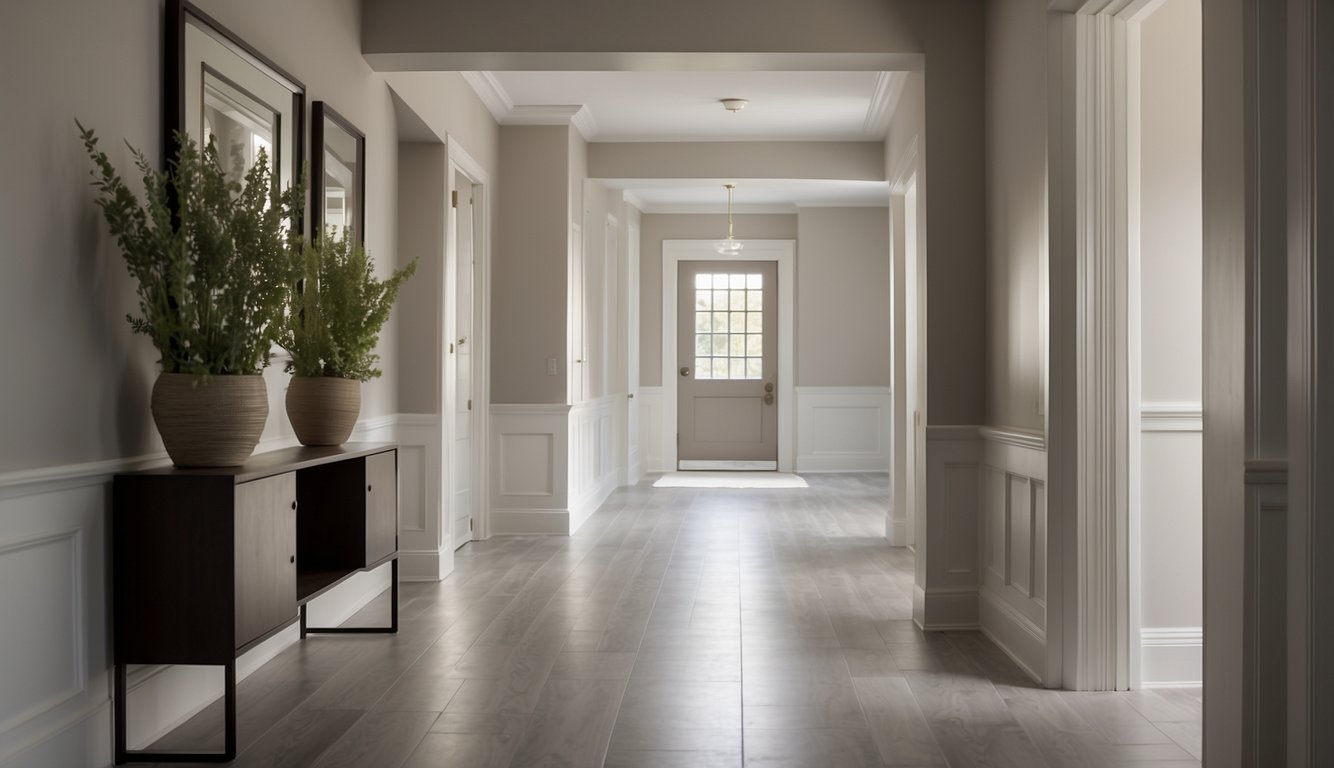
750 196
684 106
641 106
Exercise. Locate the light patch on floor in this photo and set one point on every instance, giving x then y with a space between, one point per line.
730 480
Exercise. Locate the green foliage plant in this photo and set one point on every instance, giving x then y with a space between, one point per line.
338 309
214 254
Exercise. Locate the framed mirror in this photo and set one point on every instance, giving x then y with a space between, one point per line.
215 85
337 175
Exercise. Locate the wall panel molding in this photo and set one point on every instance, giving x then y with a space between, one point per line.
1171 417
947 596
1014 545
593 474
1171 657
844 429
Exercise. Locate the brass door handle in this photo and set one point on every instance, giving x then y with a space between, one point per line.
768 398
685 370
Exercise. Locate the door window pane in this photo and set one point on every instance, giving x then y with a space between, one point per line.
729 326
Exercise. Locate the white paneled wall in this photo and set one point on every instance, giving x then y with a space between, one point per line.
945 596
552 465
530 469
1013 593
844 429
55 707
425 549
593 470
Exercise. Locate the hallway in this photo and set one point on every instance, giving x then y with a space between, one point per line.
682 627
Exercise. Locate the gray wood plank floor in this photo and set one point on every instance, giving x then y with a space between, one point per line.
684 627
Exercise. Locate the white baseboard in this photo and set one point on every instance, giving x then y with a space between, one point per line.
1171 657
1022 640
945 609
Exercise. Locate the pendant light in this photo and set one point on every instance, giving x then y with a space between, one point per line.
731 245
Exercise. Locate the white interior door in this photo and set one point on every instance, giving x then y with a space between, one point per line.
464 227
578 319
631 347
727 364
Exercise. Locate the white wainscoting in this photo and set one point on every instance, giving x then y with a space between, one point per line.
651 429
55 706
530 469
844 429
593 474
553 465
1170 554
947 597
1013 606
425 538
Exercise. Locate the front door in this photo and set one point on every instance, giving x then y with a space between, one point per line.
727 362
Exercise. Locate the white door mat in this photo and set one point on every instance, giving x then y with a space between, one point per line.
730 480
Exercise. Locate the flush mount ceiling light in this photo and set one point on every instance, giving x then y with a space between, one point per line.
734 105
731 245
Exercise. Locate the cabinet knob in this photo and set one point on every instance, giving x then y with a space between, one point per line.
294 505
368 489
291 559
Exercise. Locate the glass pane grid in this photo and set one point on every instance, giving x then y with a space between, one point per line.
729 326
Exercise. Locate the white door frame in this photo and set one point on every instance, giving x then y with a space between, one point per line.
1093 635
461 162
781 251
905 517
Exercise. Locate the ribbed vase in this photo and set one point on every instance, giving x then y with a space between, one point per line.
213 423
323 409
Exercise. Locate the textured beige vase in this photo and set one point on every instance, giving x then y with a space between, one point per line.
323 409
209 424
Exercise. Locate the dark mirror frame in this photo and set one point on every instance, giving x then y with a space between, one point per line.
174 79
321 112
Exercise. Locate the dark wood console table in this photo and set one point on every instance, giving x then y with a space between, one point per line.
208 563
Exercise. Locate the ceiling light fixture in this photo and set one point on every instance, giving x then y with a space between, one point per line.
734 105
731 245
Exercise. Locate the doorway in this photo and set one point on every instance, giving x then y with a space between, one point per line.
782 254
464 377
727 362
464 226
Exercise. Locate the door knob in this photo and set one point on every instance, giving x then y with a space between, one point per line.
685 370
768 398
768 386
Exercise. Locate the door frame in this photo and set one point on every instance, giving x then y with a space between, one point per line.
459 161
781 251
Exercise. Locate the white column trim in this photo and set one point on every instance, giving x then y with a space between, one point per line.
781 251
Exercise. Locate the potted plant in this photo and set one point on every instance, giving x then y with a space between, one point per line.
337 311
212 251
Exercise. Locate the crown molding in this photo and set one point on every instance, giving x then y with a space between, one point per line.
491 92
584 123
884 100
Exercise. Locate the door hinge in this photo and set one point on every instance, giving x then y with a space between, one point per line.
470 523
470 405
454 199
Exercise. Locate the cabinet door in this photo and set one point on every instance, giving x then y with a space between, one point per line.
265 556
381 505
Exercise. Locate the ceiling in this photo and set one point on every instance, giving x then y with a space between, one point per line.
642 106
750 196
